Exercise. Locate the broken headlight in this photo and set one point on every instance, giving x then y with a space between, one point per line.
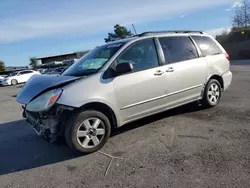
44 101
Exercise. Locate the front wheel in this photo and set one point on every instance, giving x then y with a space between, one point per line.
212 93
14 82
87 131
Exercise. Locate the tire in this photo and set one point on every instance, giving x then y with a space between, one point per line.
14 82
78 132
212 94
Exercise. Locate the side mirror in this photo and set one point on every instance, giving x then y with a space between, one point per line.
123 68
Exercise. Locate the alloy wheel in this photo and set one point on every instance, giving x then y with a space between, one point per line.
213 93
91 132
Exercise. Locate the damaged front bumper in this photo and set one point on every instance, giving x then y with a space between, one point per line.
47 124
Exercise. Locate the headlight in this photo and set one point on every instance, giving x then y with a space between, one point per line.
44 101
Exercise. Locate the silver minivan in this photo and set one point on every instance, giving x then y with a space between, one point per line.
123 81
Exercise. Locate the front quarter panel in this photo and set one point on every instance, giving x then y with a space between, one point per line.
90 89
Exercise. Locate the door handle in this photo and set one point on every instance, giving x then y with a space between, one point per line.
170 69
158 73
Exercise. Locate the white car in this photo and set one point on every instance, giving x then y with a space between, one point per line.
2 78
18 77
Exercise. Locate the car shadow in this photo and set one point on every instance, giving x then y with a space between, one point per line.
21 149
20 86
188 108
10 86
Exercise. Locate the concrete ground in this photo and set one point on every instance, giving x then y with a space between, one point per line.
184 147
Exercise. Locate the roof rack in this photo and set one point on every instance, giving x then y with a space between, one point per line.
148 33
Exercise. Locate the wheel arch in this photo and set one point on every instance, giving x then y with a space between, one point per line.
105 109
218 78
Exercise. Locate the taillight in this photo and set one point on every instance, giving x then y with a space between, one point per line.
227 56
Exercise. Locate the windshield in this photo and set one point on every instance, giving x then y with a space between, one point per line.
94 60
12 74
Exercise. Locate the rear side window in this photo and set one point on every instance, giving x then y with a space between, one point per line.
21 73
207 45
178 49
26 72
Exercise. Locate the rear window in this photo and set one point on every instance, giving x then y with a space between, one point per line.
207 45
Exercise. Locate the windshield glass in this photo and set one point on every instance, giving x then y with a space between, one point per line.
94 60
12 74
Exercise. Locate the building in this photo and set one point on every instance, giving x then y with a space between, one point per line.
12 68
61 58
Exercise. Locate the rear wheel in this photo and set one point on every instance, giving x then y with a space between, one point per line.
14 82
212 93
87 131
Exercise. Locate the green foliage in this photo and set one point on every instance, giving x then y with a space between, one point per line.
223 37
236 42
244 54
33 62
240 25
2 66
120 32
235 35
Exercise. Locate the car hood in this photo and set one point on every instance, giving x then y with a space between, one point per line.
40 83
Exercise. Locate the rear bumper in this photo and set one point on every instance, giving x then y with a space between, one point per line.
227 79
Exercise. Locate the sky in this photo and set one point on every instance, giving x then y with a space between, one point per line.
38 28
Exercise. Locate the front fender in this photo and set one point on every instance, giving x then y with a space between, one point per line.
95 100
87 91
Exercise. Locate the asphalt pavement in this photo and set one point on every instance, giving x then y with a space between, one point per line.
185 147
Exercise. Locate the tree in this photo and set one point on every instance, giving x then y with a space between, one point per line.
242 14
33 62
223 37
237 19
2 66
120 32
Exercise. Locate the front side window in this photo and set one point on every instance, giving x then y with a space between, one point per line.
94 60
141 54
178 49
207 45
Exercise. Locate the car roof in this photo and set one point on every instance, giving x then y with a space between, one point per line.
179 32
120 41
150 34
25 70
123 40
